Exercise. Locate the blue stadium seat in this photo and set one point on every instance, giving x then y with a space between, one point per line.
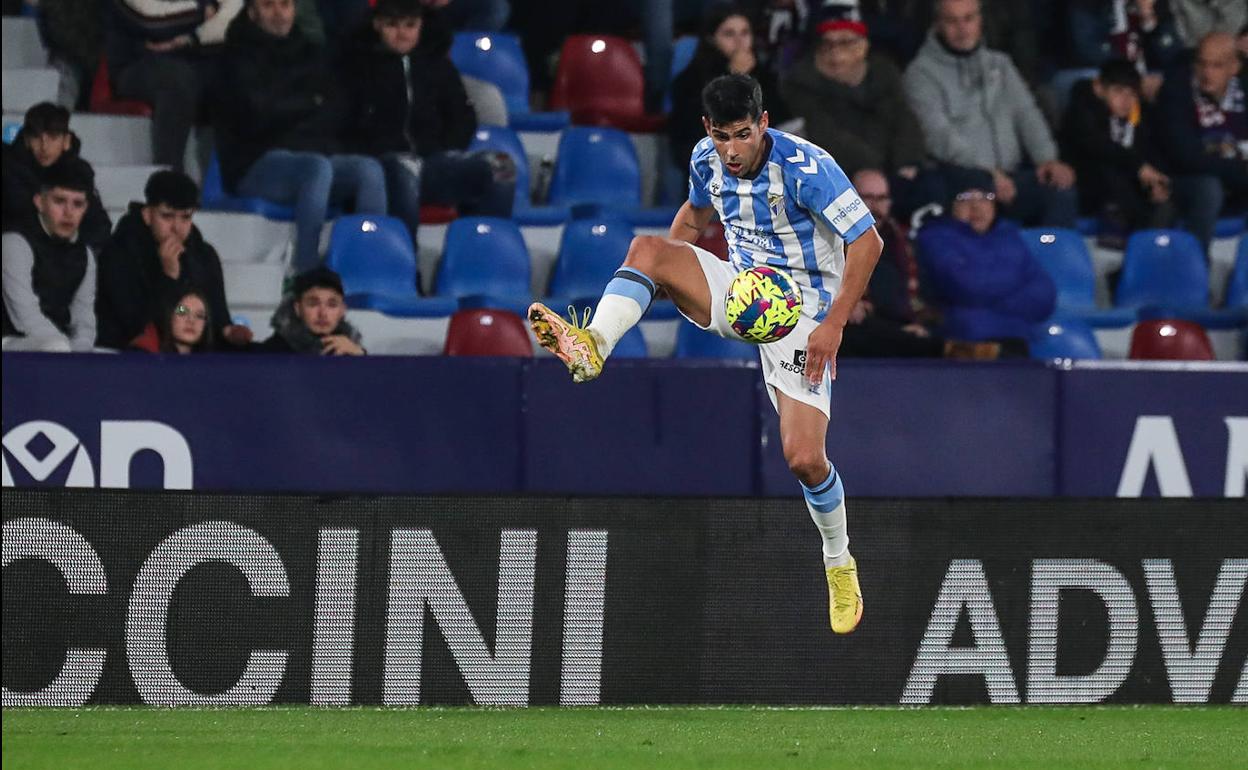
631 345
1064 81
485 264
1230 227
506 140
1237 287
497 58
10 132
590 252
692 342
1064 338
1163 267
215 198
683 49
375 257
1064 256
596 166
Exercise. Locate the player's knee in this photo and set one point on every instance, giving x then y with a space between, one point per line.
644 254
808 464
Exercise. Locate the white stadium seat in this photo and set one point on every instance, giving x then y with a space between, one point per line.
390 336
114 140
120 185
24 88
247 238
254 285
22 47
487 101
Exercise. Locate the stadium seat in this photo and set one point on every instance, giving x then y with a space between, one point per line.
24 88
120 185
1163 267
487 101
497 58
1064 338
1063 82
253 284
683 49
103 101
23 48
506 140
114 140
10 130
1230 227
485 263
215 198
1170 340
246 238
590 252
599 80
488 332
1064 256
377 262
596 166
692 342
1237 288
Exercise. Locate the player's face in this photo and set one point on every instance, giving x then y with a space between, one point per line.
276 17
739 144
48 148
61 210
189 318
321 310
960 23
398 35
734 35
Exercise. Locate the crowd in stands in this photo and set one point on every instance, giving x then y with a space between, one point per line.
944 112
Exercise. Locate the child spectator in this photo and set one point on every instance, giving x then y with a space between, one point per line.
1108 137
48 271
43 139
156 256
312 319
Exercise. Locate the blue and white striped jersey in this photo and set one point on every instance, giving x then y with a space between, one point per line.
797 213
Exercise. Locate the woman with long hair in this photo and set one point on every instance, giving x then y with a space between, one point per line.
185 326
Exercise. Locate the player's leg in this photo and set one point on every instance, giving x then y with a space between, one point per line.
803 435
652 263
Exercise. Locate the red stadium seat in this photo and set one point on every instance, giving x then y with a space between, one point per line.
1170 340
488 332
600 81
103 101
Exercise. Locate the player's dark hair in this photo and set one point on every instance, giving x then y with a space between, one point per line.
173 189
399 9
68 173
1119 72
729 98
46 118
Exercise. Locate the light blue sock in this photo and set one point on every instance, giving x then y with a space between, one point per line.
625 300
826 503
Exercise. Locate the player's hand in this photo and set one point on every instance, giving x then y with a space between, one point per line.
339 345
821 348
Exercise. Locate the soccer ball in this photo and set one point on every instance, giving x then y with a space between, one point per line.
763 304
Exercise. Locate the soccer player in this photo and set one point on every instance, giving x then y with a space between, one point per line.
785 203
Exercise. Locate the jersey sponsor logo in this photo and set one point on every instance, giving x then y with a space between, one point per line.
758 238
845 212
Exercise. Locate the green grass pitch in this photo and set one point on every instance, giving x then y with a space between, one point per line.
601 738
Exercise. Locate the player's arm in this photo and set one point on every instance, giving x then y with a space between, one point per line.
690 221
824 342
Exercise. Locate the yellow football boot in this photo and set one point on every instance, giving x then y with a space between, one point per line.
844 597
571 343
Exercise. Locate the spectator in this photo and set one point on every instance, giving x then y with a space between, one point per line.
165 54
312 319
979 119
1110 140
854 106
410 108
48 271
1203 123
183 326
1197 19
280 115
978 269
156 256
1139 31
43 139
74 33
726 46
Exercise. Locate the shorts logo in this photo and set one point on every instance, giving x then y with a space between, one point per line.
798 366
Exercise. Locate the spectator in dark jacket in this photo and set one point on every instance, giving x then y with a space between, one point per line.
1108 137
165 53
43 139
409 107
155 257
1203 122
1140 31
280 114
313 318
726 46
49 273
184 326
978 269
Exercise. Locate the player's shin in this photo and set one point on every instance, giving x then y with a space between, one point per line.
625 300
826 503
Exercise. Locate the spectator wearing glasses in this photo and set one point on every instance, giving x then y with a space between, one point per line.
979 271
184 327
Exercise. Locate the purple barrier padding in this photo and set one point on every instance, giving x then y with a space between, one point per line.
923 429
644 427
286 423
1103 408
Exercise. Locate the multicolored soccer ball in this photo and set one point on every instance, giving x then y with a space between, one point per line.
763 304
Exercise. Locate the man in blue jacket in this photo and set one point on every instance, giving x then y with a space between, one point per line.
978 268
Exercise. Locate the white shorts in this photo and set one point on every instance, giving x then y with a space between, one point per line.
784 360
